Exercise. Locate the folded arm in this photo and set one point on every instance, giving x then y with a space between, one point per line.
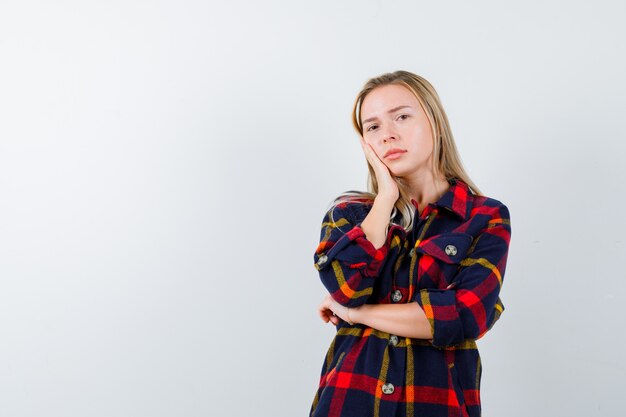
472 306
466 309
352 251
406 320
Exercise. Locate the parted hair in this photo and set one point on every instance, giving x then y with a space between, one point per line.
446 159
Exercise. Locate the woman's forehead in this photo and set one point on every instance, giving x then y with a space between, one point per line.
388 98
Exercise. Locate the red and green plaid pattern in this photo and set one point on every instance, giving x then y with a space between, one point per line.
452 265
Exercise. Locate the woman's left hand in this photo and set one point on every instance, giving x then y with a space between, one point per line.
331 310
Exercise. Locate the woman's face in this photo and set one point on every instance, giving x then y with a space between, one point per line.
392 118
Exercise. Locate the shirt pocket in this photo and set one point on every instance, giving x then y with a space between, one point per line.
457 388
440 259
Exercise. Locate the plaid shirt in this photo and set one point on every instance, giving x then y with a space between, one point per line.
452 264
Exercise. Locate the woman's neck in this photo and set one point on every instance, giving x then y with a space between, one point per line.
428 191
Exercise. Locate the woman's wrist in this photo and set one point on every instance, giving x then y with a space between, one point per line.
355 314
387 202
350 322
375 225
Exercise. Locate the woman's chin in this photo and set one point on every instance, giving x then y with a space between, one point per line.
400 173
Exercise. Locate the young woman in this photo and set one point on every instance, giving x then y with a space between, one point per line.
413 268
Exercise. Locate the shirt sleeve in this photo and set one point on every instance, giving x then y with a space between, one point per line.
347 262
472 305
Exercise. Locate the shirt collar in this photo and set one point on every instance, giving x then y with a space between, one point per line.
456 199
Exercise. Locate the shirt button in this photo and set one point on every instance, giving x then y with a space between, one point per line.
393 339
396 296
450 250
412 252
322 260
388 388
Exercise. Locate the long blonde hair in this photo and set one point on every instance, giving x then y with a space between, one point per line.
447 161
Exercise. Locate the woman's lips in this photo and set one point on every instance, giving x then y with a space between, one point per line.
395 155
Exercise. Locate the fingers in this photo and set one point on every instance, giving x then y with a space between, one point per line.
370 154
386 184
328 316
381 170
323 315
325 312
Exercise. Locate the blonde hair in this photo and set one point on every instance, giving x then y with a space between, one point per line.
446 158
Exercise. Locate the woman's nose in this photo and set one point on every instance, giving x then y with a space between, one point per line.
388 133
389 136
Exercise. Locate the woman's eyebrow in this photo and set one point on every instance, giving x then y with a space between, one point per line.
390 111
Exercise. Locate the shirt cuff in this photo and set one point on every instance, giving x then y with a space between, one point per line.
355 251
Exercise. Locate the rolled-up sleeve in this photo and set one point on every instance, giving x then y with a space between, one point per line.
347 261
471 307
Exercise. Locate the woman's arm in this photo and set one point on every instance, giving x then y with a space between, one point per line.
353 249
406 320
466 312
376 223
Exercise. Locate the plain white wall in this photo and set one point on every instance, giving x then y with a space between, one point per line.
164 169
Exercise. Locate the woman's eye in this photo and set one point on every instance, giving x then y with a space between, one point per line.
372 127
403 116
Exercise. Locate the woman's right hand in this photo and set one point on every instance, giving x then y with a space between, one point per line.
331 310
387 186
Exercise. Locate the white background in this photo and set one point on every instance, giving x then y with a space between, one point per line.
165 165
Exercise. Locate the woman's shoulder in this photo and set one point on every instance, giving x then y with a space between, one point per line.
352 204
494 207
